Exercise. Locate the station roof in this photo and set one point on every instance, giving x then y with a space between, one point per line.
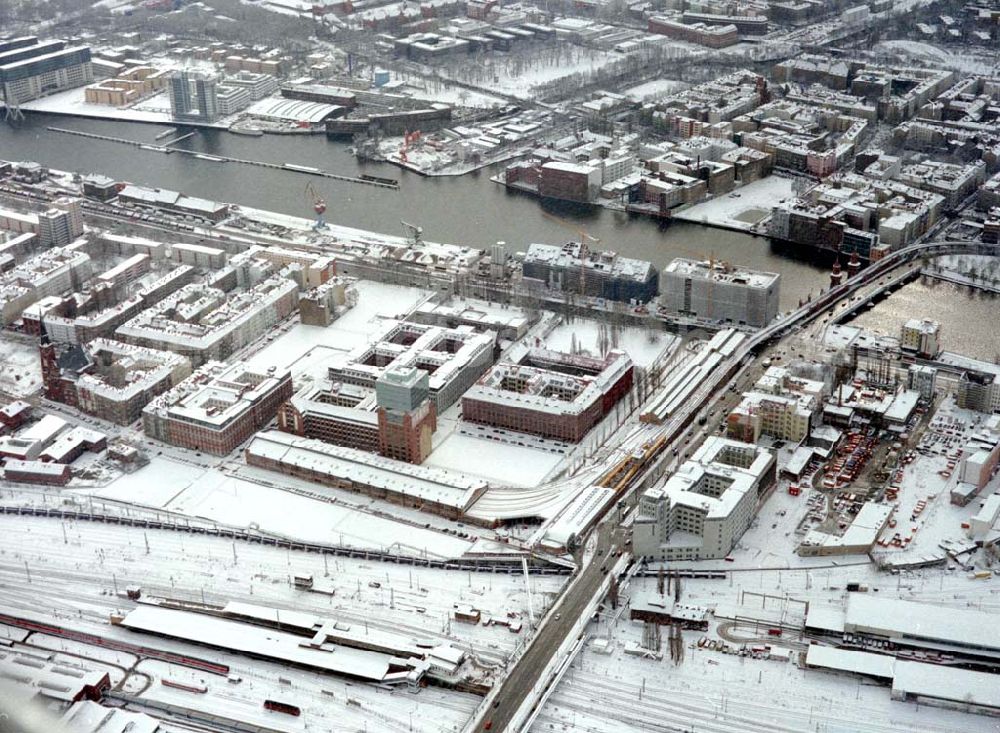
960 626
257 641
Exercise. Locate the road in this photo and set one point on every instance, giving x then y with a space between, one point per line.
711 399
526 674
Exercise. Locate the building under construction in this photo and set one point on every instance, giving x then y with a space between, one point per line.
721 292
574 268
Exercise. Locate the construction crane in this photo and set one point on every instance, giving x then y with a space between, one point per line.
319 207
414 232
584 236
409 138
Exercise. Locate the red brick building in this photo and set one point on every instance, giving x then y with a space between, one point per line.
550 394
217 408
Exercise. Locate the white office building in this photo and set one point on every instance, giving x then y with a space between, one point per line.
704 508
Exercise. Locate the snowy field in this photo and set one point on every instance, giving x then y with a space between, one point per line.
595 338
967 63
434 90
73 102
519 74
742 208
655 89
75 569
499 463
256 499
21 372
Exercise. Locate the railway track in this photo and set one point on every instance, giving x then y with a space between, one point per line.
256 537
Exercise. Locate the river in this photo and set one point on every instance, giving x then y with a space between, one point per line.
469 210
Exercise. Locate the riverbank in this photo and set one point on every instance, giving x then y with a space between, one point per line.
470 210
744 209
747 209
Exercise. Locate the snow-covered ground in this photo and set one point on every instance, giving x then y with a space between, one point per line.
742 208
967 63
255 499
308 349
517 75
655 89
20 369
76 569
713 692
596 338
434 90
500 463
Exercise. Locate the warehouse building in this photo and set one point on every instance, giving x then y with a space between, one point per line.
395 420
172 202
719 291
550 394
910 624
922 337
433 490
570 181
704 508
927 683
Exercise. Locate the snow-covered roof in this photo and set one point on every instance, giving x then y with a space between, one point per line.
447 488
712 462
258 641
846 660
923 621
327 630
87 716
720 272
63 680
578 514
946 683
217 394
547 390
292 110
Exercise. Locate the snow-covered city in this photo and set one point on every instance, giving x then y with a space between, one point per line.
465 366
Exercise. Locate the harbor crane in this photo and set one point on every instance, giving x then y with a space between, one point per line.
414 232
319 207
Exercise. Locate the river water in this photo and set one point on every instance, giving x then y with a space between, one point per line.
469 210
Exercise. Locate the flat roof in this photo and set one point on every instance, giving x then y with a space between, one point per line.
294 110
257 641
447 488
721 272
826 618
846 660
946 683
961 626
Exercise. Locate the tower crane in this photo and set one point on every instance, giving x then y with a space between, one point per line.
319 207
584 236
